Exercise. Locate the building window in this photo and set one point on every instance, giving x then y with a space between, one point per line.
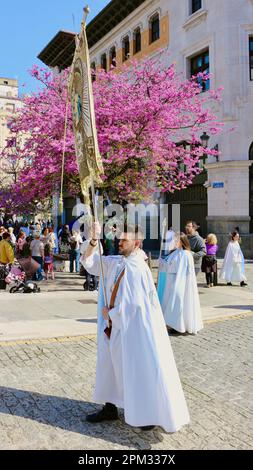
154 28
137 40
6 83
93 71
10 107
113 56
125 48
200 64
195 5
251 57
104 62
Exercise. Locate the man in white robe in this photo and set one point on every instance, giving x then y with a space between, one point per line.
136 369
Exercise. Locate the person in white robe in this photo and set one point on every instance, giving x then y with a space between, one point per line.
232 269
169 241
136 369
178 291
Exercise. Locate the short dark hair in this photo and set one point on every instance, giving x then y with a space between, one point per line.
194 224
6 235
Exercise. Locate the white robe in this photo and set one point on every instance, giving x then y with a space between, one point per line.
178 292
136 369
232 269
169 241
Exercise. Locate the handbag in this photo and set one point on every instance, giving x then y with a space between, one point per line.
108 329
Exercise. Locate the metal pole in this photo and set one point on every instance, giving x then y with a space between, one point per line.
99 245
161 246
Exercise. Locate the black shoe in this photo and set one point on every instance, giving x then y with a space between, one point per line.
243 284
229 284
106 414
147 428
173 332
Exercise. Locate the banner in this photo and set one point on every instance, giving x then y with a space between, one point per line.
80 90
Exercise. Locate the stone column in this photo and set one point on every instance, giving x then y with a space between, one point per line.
228 202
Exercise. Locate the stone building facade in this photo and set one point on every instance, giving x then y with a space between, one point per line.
198 35
9 104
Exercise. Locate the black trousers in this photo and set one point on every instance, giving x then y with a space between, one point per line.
2 284
209 278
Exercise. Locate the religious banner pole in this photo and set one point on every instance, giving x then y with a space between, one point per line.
99 244
161 245
89 161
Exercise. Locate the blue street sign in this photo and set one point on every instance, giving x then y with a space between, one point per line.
218 185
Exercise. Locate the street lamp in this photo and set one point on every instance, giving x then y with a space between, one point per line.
204 140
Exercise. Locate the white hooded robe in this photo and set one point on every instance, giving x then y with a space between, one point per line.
136 369
232 269
178 292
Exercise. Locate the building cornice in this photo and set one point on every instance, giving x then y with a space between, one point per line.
118 29
231 164
113 14
195 19
9 98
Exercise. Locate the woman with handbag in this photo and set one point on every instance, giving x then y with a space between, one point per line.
209 261
233 265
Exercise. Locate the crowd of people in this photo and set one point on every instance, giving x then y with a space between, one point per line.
185 255
136 369
40 242
134 315
34 242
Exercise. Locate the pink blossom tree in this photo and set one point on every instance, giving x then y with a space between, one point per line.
144 116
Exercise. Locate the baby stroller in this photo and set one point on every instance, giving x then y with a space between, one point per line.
91 282
20 275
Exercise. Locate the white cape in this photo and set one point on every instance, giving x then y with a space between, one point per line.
169 241
178 292
136 369
232 269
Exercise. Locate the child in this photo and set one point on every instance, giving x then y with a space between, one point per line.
209 261
48 260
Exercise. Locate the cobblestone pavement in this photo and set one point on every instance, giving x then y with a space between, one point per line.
46 389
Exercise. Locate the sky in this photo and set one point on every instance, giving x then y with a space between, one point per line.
28 25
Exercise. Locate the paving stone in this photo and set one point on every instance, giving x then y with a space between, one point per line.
46 390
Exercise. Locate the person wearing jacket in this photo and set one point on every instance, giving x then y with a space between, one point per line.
6 258
197 244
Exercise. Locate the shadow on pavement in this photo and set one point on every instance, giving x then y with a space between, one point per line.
86 320
69 414
236 307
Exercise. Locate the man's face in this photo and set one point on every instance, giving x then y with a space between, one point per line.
190 230
128 244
